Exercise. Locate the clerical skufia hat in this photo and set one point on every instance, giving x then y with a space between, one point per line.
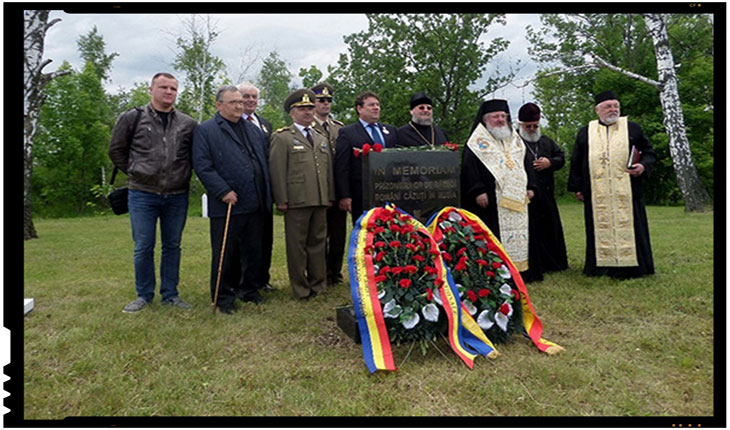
299 98
496 105
606 95
323 90
529 112
420 98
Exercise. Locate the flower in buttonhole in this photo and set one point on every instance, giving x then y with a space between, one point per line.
366 149
411 321
356 152
377 147
430 312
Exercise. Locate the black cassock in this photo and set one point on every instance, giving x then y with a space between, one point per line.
579 180
477 179
547 228
407 136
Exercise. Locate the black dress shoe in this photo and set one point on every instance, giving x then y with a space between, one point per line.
268 288
254 298
228 310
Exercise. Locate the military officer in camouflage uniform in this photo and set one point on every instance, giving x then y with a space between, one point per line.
302 184
336 218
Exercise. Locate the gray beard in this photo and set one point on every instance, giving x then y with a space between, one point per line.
610 120
421 121
500 133
528 136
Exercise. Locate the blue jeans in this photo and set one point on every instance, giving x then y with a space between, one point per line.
144 210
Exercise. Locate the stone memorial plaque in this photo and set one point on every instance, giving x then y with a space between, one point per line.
419 182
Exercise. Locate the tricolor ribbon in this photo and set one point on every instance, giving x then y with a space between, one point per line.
465 337
530 320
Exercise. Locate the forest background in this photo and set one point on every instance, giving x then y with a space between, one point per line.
396 55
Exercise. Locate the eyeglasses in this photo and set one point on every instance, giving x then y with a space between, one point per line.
531 126
425 107
324 99
235 102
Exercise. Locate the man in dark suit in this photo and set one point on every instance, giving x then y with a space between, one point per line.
229 157
348 168
250 95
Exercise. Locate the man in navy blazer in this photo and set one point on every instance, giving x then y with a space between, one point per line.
348 167
230 158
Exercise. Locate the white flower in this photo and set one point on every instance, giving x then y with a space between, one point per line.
501 320
444 225
391 310
470 307
506 290
376 268
504 272
437 297
411 322
430 312
483 320
381 294
454 216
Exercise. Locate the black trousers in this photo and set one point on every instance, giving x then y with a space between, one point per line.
242 260
336 239
268 245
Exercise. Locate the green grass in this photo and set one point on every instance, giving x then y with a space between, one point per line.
641 347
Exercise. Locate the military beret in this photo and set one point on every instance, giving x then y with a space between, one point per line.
420 98
323 90
606 95
529 112
299 98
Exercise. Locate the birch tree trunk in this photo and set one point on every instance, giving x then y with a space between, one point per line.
694 194
36 25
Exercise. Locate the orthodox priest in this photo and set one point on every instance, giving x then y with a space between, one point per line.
421 130
544 157
497 186
611 159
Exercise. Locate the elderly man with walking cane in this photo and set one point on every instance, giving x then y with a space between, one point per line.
230 158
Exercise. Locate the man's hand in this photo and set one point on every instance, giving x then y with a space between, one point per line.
346 204
230 198
579 196
530 194
636 169
482 200
282 207
541 163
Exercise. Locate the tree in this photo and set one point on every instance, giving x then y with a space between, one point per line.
620 44
92 48
34 80
274 83
71 141
445 55
198 65
310 77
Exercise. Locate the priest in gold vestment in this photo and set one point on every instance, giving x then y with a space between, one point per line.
611 159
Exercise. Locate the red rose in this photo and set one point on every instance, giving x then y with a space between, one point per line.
461 265
517 294
368 248
365 149
397 270
380 256
407 228
395 244
411 269
356 152
377 147
380 278
411 247
483 292
429 294
431 270
504 308
418 257
446 256
394 228
378 230
405 283
379 244
460 252
443 246
384 270
481 250
490 274
433 252
471 295
496 265
438 282
482 262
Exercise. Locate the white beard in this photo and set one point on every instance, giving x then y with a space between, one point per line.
421 121
609 120
500 133
529 136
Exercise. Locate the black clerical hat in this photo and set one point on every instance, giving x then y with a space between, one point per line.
496 105
529 112
420 98
606 95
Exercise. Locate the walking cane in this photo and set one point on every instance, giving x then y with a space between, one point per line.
223 251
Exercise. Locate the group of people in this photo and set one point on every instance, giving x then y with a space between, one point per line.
309 172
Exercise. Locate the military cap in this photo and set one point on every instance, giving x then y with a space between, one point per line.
606 95
529 112
323 90
420 98
299 98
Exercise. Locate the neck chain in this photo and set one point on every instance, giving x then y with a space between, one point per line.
527 145
432 142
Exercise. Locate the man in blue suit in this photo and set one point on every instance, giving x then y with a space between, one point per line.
230 158
348 168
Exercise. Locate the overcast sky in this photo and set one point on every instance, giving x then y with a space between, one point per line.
146 43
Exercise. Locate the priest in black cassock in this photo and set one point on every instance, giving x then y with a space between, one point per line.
544 157
611 159
496 185
421 130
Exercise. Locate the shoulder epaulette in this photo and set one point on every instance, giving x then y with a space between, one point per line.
338 122
281 129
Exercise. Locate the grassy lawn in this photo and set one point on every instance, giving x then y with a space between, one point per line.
641 347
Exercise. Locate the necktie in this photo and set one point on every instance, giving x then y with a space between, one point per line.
250 118
376 134
309 135
326 128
